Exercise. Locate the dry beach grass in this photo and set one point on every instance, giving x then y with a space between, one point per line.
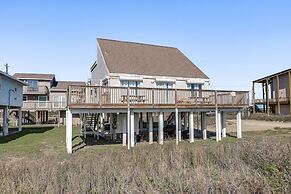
259 163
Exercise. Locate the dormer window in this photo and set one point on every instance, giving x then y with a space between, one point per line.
32 85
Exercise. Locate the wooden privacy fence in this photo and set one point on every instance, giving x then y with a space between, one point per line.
105 96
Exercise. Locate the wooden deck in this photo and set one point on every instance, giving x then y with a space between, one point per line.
92 97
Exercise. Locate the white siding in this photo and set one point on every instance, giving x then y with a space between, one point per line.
114 81
181 84
15 97
148 83
100 72
151 81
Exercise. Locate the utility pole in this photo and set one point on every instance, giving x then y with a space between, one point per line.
7 68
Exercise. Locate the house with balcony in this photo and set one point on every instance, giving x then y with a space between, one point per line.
123 64
276 93
134 84
44 98
10 98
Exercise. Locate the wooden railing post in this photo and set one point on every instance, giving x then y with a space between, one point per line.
176 98
100 96
69 91
128 104
153 97
215 99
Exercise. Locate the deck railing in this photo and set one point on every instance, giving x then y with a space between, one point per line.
44 105
105 96
272 100
35 90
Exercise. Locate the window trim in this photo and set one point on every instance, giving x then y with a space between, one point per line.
42 102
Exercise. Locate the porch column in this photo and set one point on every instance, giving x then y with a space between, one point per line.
132 136
69 130
177 125
141 121
124 126
19 119
223 124
180 126
254 99
128 128
264 105
289 96
136 123
5 121
191 127
161 128
278 96
110 125
238 125
267 97
186 118
150 124
204 125
101 117
217 125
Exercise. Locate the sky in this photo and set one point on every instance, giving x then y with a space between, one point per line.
233 42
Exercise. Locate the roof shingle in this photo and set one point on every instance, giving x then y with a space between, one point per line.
39 76
146 59
63 85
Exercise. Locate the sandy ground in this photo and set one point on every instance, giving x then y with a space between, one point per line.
254 125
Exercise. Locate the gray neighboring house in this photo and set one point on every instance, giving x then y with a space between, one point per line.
45 98
11 97
276 90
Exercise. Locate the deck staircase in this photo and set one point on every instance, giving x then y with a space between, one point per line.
90 125
171 119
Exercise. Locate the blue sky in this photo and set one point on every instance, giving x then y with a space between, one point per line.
233 42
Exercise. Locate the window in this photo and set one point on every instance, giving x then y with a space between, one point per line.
126 83
56 102
63 101
42 101
194 86
24 98
59 101
32 85
165 85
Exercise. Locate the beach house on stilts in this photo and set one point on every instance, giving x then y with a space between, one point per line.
133 85
10 99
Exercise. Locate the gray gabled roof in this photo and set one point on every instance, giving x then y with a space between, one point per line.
146 59
263 79
37 76
12 78
63 85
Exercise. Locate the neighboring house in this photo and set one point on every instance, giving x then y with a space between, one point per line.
44 99
10 98
58 97
36 96
276 90
121 63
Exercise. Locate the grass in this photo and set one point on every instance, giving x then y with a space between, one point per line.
265 117
35 161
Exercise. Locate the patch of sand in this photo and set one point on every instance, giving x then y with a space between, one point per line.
254 125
